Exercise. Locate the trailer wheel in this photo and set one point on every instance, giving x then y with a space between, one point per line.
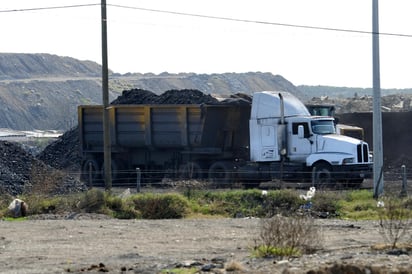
322 175
90 168
221 174
116 167
191 170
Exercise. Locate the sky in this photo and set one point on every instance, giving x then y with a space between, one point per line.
308 42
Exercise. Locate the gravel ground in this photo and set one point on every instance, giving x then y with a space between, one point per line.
93 243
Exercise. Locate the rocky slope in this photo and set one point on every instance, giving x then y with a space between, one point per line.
42 91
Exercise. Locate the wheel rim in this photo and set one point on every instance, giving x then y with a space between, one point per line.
191 170
220 173
323 177
115 168
91 167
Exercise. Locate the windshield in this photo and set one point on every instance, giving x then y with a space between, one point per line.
323 127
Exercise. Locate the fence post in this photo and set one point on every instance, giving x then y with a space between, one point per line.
314 176
404 182
138 179
90 175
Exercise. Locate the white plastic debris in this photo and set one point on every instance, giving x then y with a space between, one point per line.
380 204
264 193
18 208
309 195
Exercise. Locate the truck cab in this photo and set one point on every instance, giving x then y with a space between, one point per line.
283 130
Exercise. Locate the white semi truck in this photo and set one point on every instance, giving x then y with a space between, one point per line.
275 137
282 131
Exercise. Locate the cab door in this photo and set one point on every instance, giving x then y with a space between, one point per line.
300 145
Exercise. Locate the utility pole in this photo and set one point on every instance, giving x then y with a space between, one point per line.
377 112
105 88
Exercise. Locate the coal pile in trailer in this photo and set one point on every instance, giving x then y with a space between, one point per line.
172 97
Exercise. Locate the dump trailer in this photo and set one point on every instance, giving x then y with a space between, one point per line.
273 138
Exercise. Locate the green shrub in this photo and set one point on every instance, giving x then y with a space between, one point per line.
243 202
42 204
358 205
287 236
212 207
121 208
5 200
407 203
246 202
282 201
359 195
93 200
271 251
326 201
156 206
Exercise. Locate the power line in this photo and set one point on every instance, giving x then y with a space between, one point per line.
49 8
260 22
212 17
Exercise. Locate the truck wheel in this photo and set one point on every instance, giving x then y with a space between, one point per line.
90 167
116 167
354 183
322 175
191 170
221 174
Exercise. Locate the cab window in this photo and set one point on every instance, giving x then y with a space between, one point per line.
305 129
323 127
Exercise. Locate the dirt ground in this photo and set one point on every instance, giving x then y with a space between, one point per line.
93 243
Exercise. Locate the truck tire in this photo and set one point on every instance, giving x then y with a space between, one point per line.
322 175
221 174
116 167
191 170
90 167
354 183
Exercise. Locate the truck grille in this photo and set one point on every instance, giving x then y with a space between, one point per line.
363 153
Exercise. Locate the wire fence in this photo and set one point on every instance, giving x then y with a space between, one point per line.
394 180
43 180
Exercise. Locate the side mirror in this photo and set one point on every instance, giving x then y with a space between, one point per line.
301 132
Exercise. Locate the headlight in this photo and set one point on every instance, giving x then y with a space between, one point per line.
348 161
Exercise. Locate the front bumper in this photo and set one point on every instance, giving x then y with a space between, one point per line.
353 172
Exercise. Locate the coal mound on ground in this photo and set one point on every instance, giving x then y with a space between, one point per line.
21 172
63 153
15 166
